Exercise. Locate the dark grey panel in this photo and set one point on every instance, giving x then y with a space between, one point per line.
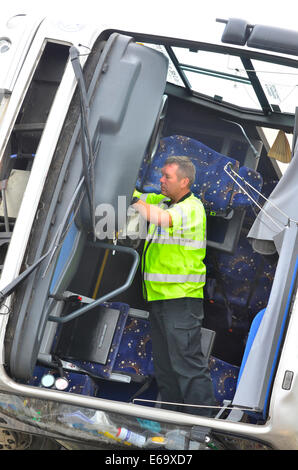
123 111
274 39
89 337
268 38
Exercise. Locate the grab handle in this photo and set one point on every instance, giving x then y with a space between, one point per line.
106 297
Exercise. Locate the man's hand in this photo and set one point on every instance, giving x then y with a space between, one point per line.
153 214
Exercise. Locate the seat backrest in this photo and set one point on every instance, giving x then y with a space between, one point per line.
242 280
212 185
134 356
224 378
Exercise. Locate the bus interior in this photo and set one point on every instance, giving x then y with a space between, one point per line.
82 311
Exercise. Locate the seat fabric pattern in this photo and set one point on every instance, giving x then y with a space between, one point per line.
130 353
240 281
224 377
135 351
239 198
212 185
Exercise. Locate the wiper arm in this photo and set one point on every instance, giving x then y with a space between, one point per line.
87 152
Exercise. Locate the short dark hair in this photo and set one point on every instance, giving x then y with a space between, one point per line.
186 168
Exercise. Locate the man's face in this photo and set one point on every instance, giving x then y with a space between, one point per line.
171 184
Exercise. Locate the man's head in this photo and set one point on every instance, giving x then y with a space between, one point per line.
178 175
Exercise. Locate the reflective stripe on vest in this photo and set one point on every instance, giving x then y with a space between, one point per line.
188 242
157 277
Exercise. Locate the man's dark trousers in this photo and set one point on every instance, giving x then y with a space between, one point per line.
181 370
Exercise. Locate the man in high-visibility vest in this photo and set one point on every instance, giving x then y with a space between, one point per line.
173 279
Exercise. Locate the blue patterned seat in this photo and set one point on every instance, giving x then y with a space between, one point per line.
224 377
130 350
240 281
135 351
212 185
131 356
130 353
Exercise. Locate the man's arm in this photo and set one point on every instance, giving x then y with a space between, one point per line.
153 214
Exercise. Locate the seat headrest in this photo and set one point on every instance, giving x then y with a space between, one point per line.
212 185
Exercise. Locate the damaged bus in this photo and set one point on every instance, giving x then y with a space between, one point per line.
88 115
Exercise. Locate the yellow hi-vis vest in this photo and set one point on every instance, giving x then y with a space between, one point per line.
172 261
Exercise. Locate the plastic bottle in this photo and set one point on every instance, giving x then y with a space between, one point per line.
132 437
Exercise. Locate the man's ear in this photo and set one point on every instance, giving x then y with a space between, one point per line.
185 182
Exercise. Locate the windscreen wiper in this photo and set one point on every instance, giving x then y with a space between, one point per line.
86 146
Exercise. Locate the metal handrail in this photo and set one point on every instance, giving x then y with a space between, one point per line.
106 297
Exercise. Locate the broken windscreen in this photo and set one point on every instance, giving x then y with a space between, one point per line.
252 81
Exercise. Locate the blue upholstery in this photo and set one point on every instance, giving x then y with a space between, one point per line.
239 199
135 350
130 353
224 378
131 348
212 185
241 280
